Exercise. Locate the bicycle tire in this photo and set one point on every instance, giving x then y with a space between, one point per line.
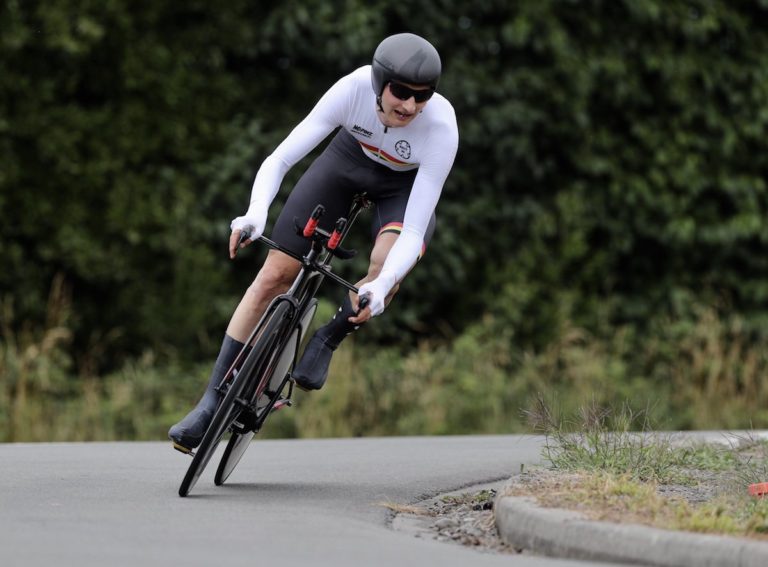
222 419
239 442
228 409
233 452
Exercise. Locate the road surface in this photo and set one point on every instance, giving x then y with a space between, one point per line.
289 502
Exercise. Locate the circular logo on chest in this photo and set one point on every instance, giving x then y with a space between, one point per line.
403 149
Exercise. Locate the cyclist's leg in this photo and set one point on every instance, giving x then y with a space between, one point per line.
186 434
338 328
324 182
386 228
274 278
312 370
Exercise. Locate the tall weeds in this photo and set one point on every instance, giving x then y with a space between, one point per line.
709 373
719 374
43 397
618 441
35 370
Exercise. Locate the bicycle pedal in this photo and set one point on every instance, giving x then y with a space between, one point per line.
183 449
279 404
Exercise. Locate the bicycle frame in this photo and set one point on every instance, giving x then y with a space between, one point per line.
315 267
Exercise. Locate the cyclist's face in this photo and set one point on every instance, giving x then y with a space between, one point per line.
398 112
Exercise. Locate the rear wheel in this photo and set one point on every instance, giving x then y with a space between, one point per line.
306 318
269 385
237 397
234 451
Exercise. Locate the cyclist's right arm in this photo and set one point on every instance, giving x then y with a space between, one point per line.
327 114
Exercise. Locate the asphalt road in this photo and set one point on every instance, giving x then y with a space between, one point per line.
288 502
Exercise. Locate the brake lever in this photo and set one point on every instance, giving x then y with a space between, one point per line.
363 303
244 235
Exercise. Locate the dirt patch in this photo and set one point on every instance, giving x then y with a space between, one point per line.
462 517
468 519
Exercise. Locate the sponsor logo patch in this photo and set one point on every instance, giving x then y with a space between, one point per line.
362 131
403 149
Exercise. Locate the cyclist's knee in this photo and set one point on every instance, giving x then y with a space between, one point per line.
269 281
274 277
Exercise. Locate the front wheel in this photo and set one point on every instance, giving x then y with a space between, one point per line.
237 396
222 420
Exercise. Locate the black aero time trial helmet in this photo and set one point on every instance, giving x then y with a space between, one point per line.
407 58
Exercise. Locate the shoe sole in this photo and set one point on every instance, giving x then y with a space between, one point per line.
304 388
182 448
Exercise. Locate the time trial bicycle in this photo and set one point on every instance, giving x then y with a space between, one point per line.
259 381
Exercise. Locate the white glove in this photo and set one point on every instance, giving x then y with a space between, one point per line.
377 291
254 221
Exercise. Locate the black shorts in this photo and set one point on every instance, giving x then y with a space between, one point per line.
333 180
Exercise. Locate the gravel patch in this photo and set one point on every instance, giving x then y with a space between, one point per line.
467 519
463 517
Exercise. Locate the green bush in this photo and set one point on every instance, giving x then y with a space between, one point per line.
610 182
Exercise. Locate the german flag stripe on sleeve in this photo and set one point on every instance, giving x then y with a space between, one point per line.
397 228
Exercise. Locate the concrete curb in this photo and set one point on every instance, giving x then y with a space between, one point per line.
563 533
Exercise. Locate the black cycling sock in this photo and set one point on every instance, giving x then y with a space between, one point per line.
230 348
338 328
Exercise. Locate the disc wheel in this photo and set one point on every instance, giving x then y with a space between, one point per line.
239 441
234 451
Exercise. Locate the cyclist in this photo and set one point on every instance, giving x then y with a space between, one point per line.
396 143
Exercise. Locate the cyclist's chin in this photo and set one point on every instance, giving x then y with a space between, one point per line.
399 118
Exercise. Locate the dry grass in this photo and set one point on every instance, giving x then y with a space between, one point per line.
621 499
600 466
707 373
720 372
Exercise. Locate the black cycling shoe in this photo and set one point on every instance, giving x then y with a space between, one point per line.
312 370
188 433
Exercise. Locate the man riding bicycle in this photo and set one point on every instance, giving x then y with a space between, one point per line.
396 144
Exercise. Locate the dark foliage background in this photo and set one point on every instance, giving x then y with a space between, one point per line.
612 167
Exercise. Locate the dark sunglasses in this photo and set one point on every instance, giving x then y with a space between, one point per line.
402 92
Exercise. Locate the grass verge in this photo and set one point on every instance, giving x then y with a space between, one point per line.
610 465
